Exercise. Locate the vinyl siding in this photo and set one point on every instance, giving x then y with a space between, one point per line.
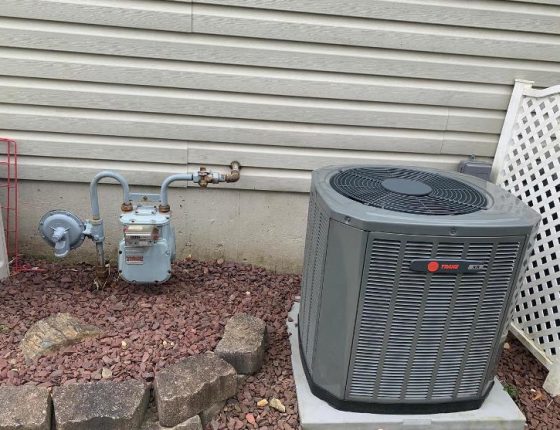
151 87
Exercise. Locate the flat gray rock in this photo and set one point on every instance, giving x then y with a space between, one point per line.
54 332
100 405
25 408
192 385
243 343
151 423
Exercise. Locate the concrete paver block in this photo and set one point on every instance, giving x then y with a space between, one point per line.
100 405
243 343
25 408
192 385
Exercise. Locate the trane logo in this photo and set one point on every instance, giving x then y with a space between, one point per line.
446 266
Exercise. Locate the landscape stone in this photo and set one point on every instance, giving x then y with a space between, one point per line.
54 332
100 405
25 407
192 385
208 414
151 423
278 405
243 343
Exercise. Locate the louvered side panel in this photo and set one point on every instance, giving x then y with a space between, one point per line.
307 280
374 313
316 248
429 337
306 284
409 303
473 290
429 328
443 286
489 317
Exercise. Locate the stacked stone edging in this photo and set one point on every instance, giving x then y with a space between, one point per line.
25 408
189 393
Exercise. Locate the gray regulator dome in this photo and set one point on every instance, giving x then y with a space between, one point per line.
62 230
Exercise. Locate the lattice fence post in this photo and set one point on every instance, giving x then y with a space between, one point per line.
527 163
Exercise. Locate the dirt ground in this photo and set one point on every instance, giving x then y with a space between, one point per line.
162 324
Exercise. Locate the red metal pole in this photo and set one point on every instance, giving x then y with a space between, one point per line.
11 227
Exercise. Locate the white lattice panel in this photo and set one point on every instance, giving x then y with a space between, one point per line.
528 165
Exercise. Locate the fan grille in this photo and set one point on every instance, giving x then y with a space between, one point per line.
420 192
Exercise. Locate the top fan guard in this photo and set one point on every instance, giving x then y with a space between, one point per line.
410 191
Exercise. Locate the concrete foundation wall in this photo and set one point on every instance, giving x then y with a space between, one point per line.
262 228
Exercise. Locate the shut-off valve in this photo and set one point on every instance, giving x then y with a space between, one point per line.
147 247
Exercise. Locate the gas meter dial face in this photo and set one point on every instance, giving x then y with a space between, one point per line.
140 235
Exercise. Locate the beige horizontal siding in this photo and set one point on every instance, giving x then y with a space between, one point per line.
210 49
413 36
499 14
147 14
252 79
118 123
149 161
153 87
216 104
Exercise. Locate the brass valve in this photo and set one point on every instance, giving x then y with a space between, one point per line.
205 177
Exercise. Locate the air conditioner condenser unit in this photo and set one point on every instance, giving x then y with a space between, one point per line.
410 276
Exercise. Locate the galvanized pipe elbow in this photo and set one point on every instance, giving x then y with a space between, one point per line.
165 186
94 195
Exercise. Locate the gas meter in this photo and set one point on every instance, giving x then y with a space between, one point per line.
147 246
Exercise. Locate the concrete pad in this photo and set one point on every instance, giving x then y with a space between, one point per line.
499 411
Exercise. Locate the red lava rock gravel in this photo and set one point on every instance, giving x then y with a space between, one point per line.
525 375
146 328
158 324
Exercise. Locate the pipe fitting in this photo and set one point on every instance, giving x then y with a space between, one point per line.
204 177
101 274
235 173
